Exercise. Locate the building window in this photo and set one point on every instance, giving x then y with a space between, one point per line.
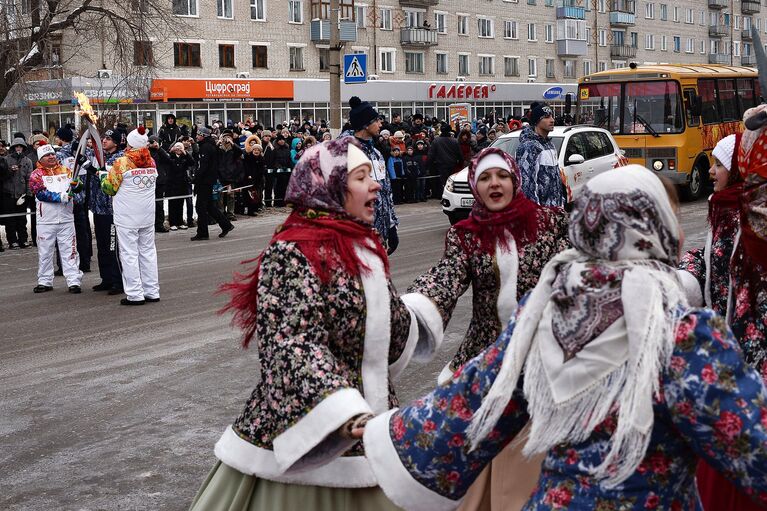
226 55
663 12
224 9
413 62
549 68
736 48
649 42
414 19
690 46
361 13
530 2
384 18
677 44
649 10
531 35
324 59
532 67
602 5
260 56
441 63
463 25
510 30
689 16
588 36
295 12
703 47
569 68
485 27
440 22
602 66
185 7
296 58
511 66
586 67
142 53
548 30
676 14
386 60
486 64
258 10
186 55
663 43
463 64
737 22
602 37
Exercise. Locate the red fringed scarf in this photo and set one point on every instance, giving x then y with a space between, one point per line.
519 218
722 201
328 243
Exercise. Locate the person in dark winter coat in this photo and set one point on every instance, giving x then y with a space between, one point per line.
15 188
180 166
268 152
169 133
283 165
160 156
445 157
255 170
538 161
230 170
204 179
413 167
396 170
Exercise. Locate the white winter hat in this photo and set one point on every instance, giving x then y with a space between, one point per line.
355 157
491 161
137 138
724 151
44 150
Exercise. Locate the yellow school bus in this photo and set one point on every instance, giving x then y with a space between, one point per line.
669 117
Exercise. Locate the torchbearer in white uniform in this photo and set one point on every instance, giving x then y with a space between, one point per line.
131 181
55 192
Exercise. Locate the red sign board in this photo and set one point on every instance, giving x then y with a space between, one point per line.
460 91
220 89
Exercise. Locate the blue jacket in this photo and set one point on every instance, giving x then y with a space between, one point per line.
539 165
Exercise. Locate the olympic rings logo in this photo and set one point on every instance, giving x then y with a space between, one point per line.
142 182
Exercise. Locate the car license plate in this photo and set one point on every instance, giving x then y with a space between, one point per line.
467 203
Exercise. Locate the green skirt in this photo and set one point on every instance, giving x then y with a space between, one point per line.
227 489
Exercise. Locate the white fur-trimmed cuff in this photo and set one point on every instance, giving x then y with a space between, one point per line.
344 472
401 363
431 330
691 288
297 447
393 477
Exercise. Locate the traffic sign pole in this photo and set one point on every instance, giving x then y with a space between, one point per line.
335 70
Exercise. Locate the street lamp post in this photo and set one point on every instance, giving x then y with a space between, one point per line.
335 70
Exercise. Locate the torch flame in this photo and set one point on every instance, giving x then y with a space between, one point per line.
85 107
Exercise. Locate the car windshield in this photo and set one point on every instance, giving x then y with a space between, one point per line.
653 107
510 144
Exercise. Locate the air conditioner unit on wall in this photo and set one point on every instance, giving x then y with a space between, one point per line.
243 74
104 74
460 78
531 80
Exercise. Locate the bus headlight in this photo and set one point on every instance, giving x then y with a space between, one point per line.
449 184
657 164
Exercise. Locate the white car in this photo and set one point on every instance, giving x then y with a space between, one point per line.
584 152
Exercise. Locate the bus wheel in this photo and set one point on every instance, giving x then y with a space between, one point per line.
694 189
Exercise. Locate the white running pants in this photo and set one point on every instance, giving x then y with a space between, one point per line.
47 237
138 258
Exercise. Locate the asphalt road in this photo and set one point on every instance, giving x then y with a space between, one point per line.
104 407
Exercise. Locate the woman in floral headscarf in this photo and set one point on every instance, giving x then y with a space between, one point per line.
624 385
499 251
331 333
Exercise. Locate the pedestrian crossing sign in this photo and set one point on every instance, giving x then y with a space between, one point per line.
356 68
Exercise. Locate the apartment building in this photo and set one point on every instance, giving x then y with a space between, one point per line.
519 49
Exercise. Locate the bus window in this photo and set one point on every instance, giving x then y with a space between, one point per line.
727 100
602 102
652 107
710 110
746 94
689 99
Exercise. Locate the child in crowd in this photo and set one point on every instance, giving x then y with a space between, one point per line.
397 175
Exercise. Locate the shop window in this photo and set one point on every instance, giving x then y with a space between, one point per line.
226 55
142 53
186 55
260 56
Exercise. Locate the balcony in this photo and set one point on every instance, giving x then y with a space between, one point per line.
320 31
718 4
418 3
571 47
750 7
411 36
718 30
623 51
569 12
748 60
746 35
718 58
622 19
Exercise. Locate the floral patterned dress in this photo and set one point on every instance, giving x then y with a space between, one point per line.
326 353
464 264
711 406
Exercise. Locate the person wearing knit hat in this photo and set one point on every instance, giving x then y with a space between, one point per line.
55 191
14 188
538 159
366 125
131 183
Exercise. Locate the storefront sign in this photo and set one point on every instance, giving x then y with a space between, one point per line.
220 90
553 93
460 91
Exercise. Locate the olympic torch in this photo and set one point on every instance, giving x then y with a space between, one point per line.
89 116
